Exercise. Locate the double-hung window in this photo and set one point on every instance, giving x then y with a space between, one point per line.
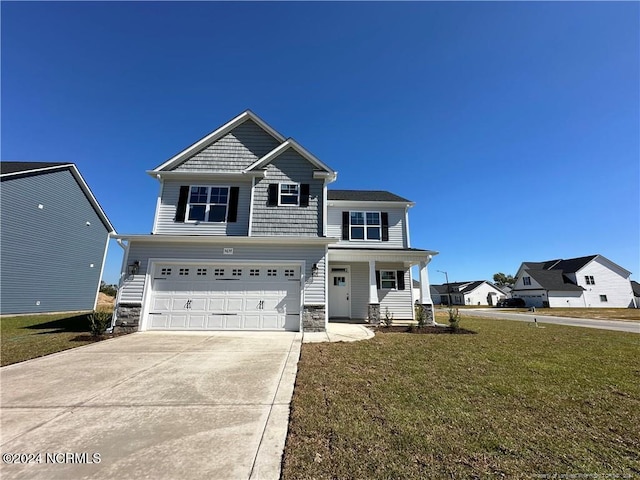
388 279
208 204
365 226
289 194
526 280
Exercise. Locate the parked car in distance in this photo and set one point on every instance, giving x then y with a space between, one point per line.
511 302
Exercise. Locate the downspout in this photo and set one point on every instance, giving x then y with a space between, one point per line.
114 317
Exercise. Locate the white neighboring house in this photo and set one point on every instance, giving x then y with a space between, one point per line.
478 292
584 282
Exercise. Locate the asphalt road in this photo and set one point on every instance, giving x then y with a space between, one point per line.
633 327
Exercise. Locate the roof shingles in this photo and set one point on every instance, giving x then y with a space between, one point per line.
365 196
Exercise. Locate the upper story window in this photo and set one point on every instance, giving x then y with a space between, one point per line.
526 280
207 204
589 280
364 226
289 194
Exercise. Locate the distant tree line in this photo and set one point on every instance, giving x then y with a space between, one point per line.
110 290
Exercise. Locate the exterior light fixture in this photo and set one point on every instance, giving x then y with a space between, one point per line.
133 268
314 270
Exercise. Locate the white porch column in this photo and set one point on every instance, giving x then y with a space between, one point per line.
373 287
425 290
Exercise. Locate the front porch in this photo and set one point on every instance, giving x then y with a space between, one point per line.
369 285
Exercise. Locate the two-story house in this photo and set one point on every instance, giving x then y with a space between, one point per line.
246 235
583 282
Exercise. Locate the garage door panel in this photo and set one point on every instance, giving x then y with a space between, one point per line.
272 321
234 304
161 304
159 321
215 322
216 304
233 322
178 321
252 321
215 297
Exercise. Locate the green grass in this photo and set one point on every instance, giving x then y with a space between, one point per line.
31 336
512 401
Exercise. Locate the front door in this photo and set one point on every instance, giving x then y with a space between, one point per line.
340 293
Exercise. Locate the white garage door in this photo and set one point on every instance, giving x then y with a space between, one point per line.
225 297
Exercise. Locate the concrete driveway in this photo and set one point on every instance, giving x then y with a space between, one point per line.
152 405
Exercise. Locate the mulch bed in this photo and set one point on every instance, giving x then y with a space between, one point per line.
87 337
428 330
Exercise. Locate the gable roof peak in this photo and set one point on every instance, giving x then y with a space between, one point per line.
214 136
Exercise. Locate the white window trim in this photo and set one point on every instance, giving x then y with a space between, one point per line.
395 280
280 204
365 239
208 204
526 281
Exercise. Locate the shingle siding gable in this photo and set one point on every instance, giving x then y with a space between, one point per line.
290 167
233 152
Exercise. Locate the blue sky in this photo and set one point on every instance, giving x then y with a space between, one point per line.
513 126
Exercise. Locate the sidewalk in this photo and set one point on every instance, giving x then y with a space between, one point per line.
339 332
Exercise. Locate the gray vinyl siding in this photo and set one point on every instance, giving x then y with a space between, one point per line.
399 302
359 290
46 254
397 233
289 167
233 152
314 290
169 200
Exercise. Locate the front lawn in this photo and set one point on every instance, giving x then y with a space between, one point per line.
511 401
31 336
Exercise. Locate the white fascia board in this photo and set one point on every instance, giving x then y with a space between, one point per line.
280 149
83 185
227 240
92 199
216 135
412 257
368 204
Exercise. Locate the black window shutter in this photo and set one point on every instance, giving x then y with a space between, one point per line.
378 279
304 195
345 225
272 201
232 214
182 203
400 279
385 226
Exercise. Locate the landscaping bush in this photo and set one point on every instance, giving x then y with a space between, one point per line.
99 321
387 321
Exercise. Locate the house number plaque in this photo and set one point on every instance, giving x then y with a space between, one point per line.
227 251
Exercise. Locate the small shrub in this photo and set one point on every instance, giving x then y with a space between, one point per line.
420 314
98 322
454 319
387 321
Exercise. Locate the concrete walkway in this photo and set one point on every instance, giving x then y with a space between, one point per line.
339 332
152 405
619 326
